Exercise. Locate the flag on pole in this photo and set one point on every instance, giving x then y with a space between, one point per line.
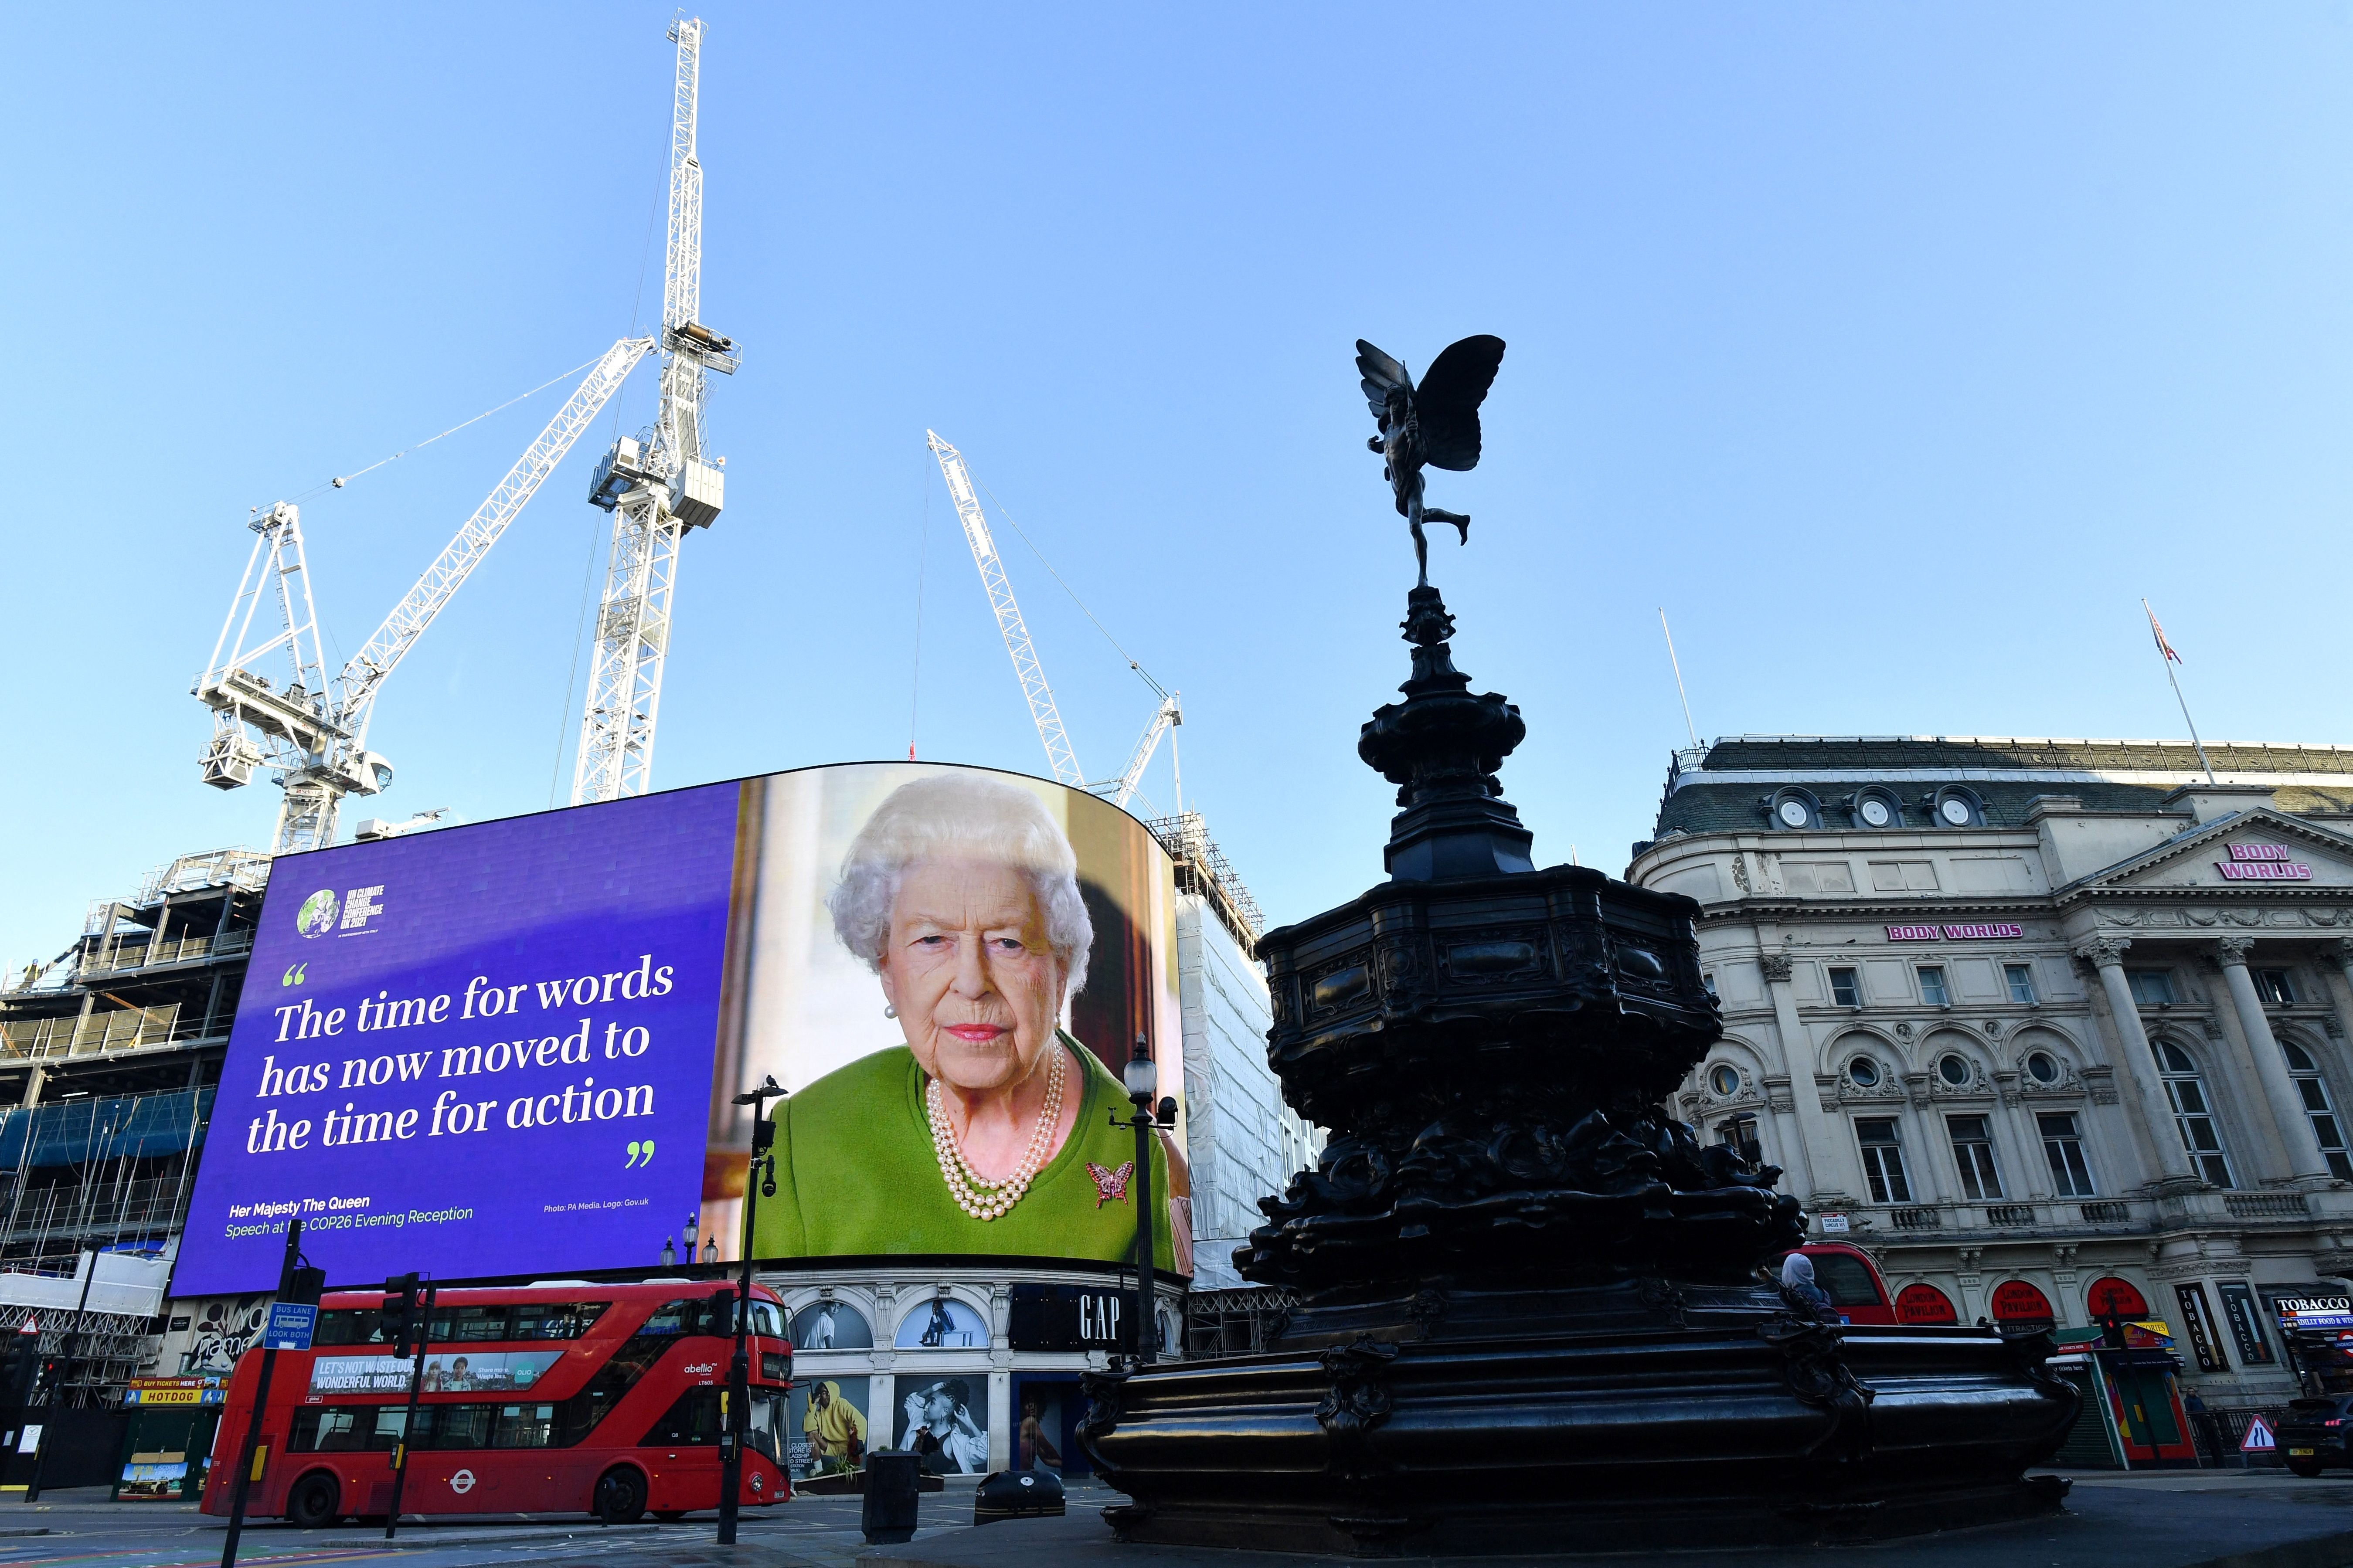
2157 631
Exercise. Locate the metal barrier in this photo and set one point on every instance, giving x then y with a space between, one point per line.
2219 1432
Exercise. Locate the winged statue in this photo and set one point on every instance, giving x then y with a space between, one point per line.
1434 425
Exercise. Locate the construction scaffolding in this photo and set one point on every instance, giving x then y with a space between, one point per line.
1202 868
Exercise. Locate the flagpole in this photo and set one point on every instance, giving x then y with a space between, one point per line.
2165 657
1689 727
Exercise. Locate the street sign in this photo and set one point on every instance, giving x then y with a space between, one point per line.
290 1326
2259 1439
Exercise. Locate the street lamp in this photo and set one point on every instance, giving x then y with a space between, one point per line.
1141 1077
739 1371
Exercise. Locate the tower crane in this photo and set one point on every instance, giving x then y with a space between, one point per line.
655 484
1059 759
315 729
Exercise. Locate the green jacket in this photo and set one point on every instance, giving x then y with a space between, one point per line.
856 1175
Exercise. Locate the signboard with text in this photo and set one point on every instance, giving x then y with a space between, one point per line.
1991 930
514 1048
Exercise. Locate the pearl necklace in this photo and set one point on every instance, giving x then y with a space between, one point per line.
985 1200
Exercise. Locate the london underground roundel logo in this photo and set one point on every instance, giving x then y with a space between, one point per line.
463 1482
317 916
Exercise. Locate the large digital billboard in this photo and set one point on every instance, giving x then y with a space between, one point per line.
514 1048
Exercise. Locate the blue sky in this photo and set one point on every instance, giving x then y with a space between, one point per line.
1896 351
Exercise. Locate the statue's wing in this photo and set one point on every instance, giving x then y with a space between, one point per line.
1381 373
1451 391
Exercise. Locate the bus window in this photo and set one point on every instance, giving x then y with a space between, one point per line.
693 1418
767 1321
1844 1279
467 1325
363 1326
319 1430
459 1426
525 1426
767 1423
556 1320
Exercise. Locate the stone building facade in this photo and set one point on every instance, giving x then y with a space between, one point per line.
2030 1019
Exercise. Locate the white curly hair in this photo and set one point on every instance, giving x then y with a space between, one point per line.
967 817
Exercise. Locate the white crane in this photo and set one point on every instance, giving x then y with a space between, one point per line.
1059 759
314 730
656 485
1121 790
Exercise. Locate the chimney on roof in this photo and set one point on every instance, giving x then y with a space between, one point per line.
2208 802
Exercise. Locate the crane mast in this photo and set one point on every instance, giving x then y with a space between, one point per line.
1059 760
312 729
1121 790
656 485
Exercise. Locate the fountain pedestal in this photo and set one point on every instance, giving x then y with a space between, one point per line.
1531 1317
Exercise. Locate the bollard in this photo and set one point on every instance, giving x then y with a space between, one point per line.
888 1516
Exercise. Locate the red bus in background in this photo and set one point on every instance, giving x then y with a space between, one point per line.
1847 1277
535 1397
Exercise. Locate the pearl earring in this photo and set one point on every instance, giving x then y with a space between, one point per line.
890 1012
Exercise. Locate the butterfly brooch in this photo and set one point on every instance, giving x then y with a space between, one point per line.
1111 1187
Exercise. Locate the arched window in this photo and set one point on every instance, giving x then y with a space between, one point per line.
2327 1131
2192 1114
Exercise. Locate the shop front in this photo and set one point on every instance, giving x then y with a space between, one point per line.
974 1365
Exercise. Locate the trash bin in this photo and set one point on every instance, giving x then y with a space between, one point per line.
1016 1494
888 1515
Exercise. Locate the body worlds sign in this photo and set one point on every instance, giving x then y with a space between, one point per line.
1986 931
2262 863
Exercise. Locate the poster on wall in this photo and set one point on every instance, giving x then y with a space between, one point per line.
827 1435
944 1421
514 1047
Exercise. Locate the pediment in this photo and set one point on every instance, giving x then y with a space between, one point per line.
2257 852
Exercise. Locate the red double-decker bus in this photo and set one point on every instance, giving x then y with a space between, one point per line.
557 1397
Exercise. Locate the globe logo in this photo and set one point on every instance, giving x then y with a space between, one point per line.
317 916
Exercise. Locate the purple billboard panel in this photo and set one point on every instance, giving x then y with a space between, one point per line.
482 1051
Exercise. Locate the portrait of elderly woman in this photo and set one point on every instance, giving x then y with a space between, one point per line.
989 1129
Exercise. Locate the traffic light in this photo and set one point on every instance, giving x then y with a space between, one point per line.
305 1284
20 1367
400 1324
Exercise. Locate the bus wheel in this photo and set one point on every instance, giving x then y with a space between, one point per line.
619 1497
315 1501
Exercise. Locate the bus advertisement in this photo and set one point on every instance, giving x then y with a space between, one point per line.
513 1048
555 1398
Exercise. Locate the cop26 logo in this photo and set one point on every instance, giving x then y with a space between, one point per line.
317 917
319 913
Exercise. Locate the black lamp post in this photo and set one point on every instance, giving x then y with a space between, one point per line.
739 1371
1142 1075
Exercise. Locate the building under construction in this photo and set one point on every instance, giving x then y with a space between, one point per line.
107 1057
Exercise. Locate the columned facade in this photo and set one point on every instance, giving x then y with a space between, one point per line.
2035 1020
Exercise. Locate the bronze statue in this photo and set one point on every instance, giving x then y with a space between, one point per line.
1435 423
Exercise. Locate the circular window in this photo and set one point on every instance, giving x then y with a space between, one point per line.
1864 1071
1954 810
1725 1080
1873 812
1793 812
2042 1067
1953 1070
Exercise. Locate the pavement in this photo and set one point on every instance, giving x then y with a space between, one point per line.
2168 1519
